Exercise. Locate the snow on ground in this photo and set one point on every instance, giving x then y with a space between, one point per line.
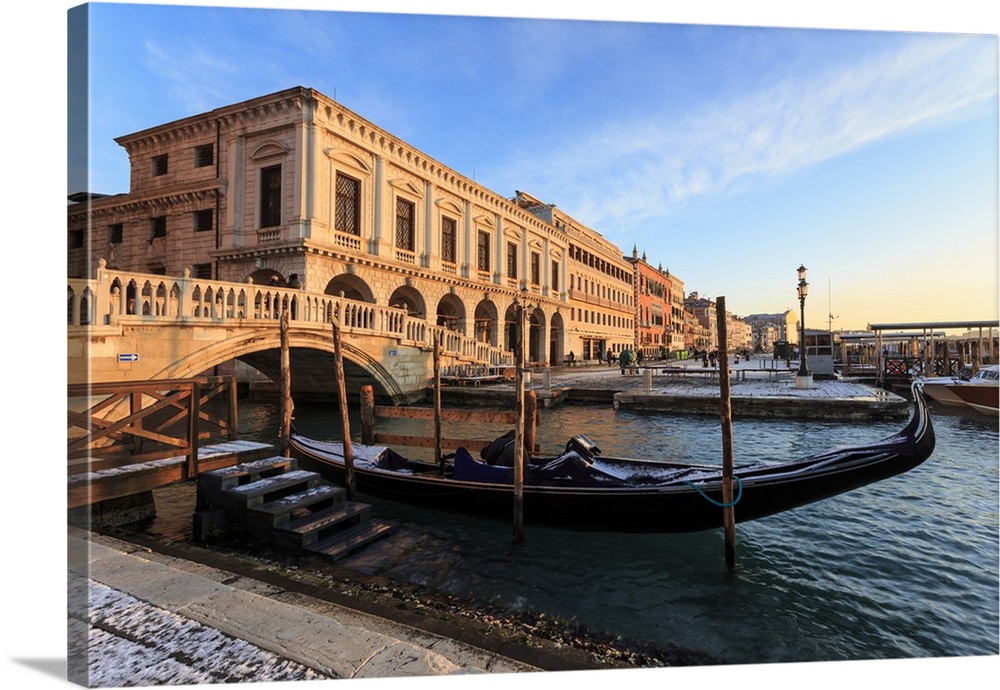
132 642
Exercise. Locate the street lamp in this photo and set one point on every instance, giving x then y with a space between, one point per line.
803 378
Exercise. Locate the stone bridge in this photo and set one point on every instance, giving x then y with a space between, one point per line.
125 326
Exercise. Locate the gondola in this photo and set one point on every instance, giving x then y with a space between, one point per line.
583 490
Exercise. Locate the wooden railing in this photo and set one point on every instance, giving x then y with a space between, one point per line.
129 423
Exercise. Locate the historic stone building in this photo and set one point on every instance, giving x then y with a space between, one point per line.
768 329
739 335
293 189
653 331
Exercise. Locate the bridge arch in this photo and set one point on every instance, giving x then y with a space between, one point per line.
244 345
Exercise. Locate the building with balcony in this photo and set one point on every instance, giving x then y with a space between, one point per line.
293 189
654 308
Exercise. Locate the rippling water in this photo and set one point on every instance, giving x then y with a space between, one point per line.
904 568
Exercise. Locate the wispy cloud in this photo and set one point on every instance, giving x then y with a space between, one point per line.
648 168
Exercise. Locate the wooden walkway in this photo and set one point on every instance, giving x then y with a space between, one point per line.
86 488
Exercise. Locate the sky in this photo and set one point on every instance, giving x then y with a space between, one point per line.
858 138
730 155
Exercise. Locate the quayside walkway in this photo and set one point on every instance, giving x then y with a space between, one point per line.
759 388
137 617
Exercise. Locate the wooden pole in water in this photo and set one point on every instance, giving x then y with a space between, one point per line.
726 415
530 421
367 415
519 426
438 456
285 386
345 422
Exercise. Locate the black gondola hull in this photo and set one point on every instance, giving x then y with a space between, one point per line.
678 506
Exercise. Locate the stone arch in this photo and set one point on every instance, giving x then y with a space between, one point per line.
409 298
351 287
268 276
451 313
535 341
486 323
247 344
557 339
510 328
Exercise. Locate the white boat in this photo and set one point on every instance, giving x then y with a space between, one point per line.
939 389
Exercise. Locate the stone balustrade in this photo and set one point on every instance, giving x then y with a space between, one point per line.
114 297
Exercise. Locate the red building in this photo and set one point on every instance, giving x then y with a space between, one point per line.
652 308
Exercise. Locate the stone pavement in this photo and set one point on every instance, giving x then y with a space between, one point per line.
142 618
762 388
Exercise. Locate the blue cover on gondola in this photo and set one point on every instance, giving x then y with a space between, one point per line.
468 469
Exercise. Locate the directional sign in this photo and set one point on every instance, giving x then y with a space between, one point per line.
128 357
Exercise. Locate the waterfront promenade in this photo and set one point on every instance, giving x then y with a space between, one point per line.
153 619
760 388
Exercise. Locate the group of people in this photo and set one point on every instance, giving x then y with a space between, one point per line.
712 358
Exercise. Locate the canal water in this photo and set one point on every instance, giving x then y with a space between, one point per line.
904 568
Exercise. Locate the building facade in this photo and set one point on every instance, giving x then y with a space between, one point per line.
293 189
654 309
769 329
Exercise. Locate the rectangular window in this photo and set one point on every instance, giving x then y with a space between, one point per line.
536 268
203 220
511 260
348 201
159 165
204 155
115 233
555 275
270 196
157 227
449 228
484 251
405 214
76 238
203 271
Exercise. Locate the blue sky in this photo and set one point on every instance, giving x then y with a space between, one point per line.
729 155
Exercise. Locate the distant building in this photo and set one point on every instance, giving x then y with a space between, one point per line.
768 329
653 316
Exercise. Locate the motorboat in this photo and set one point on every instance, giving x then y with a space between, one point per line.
983 397
939 388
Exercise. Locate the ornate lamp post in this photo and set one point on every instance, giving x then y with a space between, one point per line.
803 378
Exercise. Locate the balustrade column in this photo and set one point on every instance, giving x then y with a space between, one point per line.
100 301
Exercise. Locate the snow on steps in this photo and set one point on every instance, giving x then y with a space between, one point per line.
276 501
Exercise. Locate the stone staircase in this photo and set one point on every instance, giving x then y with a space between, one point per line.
275 501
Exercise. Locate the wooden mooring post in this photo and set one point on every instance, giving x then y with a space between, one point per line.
438 455
285 388
726 415
519 427
345 422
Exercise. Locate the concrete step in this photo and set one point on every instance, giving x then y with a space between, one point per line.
352 539
326 523
244 473
268 489
287 509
